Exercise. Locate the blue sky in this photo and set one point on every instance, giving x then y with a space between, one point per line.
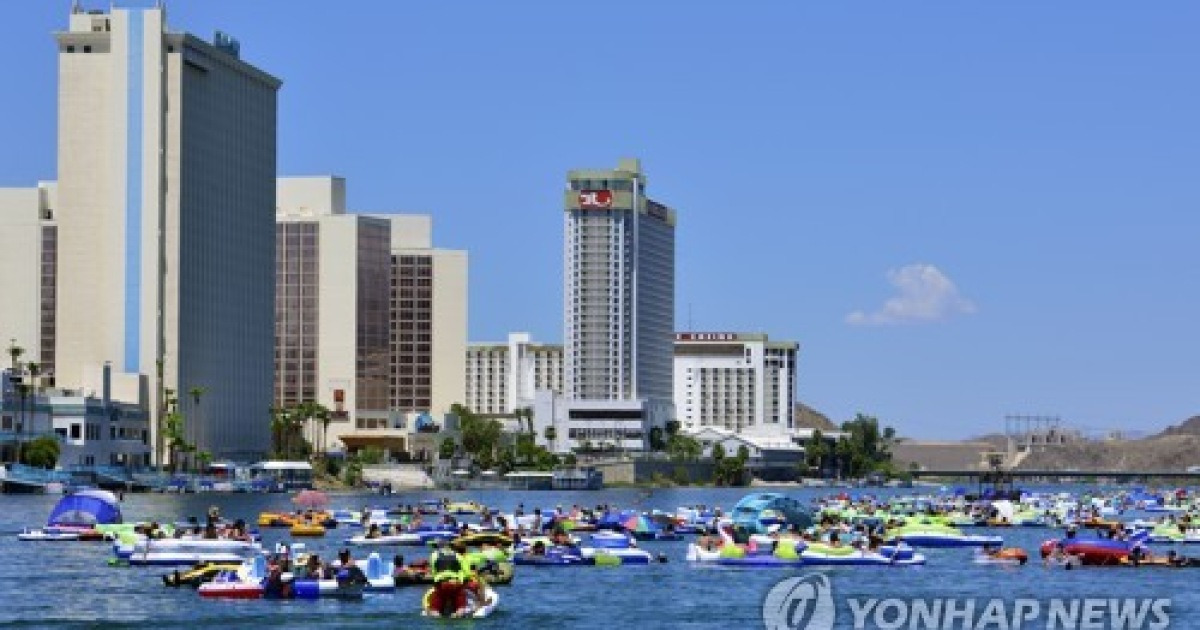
960 210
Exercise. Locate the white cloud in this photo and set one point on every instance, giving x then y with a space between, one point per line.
925 295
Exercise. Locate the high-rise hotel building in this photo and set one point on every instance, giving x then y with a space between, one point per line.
370 318
741 382
619 254
164 213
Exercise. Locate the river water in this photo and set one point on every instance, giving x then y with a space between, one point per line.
70 584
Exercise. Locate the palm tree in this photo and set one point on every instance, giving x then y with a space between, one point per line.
196 393
34 370
296 421
278 428
14 353
23 390
322 414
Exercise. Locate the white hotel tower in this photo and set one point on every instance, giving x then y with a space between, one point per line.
166 221
619 309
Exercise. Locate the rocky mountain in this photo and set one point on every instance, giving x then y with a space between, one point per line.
1191 426
805 417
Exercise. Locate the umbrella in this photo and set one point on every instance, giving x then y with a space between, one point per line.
638 524
311 499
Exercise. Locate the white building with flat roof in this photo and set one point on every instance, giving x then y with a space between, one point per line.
739 382
506 376
163 226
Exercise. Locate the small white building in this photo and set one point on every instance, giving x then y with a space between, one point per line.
764 450
93 428
740 382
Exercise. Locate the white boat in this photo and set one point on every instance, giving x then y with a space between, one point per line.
417 537
41 535
389 540
173 551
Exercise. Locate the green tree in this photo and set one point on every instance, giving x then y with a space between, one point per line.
42 452
865 448
479 435
673 427
551 434
203 459
743 453
34 370
730 471
24 391
352 474
815 451
684 448
323 415
447 448
14 353
526 449
544 460
507 461
370 456
718 452
279 425
657 443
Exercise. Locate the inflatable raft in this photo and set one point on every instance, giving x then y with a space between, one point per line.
475 609
1010 556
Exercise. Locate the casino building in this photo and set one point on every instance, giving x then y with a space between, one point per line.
740 382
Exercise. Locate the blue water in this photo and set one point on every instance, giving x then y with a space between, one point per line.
70 584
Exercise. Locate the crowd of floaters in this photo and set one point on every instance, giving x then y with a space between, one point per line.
475 548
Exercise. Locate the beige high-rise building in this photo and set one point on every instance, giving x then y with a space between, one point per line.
166 197
28 273
429 319
332 307
370 318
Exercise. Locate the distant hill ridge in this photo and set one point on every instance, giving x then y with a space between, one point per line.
805 417
1191 426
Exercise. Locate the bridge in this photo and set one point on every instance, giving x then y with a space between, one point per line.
1124 475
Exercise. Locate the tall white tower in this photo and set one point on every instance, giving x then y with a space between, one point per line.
619 302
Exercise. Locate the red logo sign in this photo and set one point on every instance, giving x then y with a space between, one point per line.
595 199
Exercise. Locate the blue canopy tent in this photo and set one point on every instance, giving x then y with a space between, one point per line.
756 512
85 509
